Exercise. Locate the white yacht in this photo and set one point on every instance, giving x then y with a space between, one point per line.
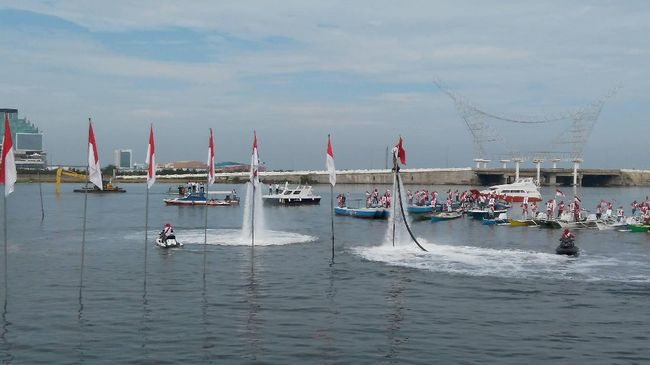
517 191
301 194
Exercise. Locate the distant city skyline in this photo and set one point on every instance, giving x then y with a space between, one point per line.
296 72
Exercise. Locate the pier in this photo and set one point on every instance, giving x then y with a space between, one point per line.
434 176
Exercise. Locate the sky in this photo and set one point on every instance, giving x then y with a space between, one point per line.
296 71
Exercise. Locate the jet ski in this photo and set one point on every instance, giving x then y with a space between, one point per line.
567 247
169 242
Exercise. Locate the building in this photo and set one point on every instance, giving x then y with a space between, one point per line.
123 159
27 139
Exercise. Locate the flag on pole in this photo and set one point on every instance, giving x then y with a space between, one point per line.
8 175
329 162
401 153
94 170
211 160
558 192
151 161
254 177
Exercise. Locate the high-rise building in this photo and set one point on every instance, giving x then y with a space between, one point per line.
28 141
123 159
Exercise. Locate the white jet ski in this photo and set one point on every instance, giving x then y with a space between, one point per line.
168 243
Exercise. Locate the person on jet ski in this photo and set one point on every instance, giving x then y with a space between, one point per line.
166 232
567 238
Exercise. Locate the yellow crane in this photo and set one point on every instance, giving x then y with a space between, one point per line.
60 171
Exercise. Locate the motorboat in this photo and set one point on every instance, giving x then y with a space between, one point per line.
212 198
301 194
485 213
421 209
585 220
107 187
518 191
445 216
170 242
567 247
367 213
611 223
501 220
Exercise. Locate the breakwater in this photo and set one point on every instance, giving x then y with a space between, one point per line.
432 176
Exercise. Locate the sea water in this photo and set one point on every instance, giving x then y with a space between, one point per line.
481 294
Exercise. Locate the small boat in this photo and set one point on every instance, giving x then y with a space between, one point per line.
522 222
107 187
300 195
214 198
567 247
523 188
611 223
170 242
367 213
639 227
483 213
445 216
422 209
501 220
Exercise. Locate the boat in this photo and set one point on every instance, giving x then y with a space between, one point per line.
107 187
518 191
611 223
214 198
567 247
522 222
170 242
422 209
300 195
639 227
541 220
367 213
501 220
484 213
567 220
445 216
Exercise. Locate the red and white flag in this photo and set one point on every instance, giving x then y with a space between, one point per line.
329 162
94 170
8 175
254 174
151 160
400 152
211 160
558 192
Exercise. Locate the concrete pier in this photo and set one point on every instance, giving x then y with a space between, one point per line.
442 176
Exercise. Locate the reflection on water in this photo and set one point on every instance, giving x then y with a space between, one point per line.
395 318
253 322
7 356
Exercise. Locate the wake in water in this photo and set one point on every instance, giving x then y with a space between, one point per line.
233 237
397 233
260 227
476 261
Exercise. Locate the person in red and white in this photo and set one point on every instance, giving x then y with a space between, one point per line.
166 232
533 209
619 214
524 209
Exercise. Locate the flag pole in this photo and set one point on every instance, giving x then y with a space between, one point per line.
83 230
205 226
332 213
4 207
40 190
146 231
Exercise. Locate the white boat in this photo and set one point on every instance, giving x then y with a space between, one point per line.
301 194
516 192
611 223
212 198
